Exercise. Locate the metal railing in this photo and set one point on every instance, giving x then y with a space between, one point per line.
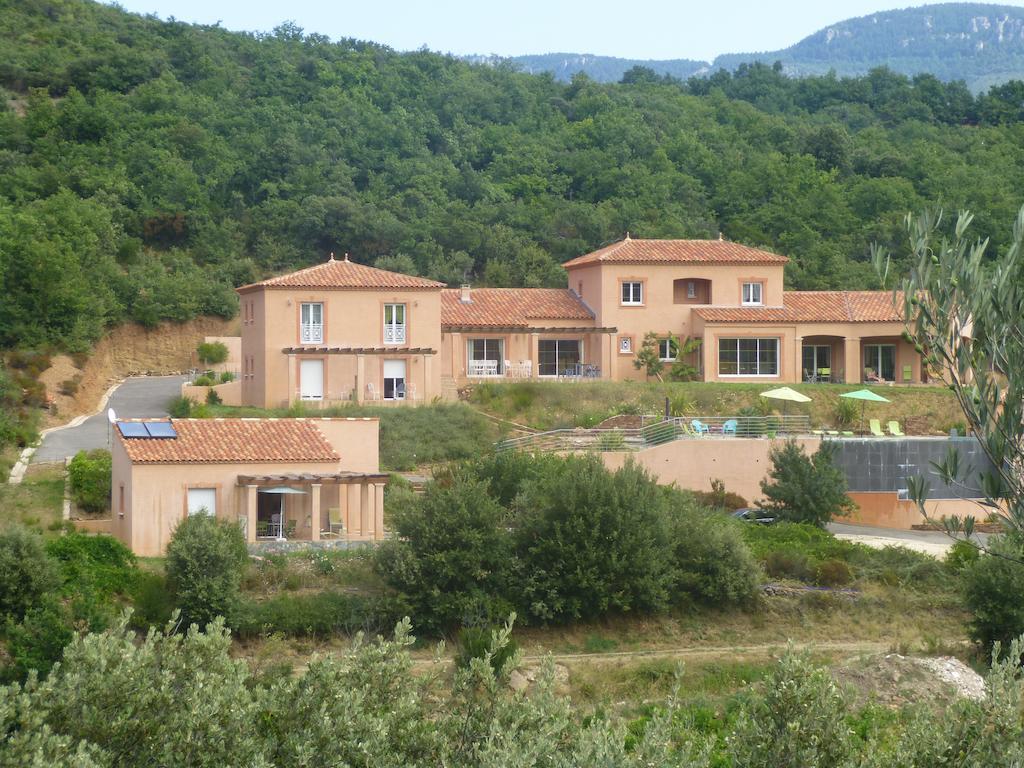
658 432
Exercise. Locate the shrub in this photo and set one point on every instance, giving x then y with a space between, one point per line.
719 498
212 398
89 476
181 407
101 563
69 387
452 554
206 559
993 586
712 564
203 381
805 489
961 555
26 573
787 565
610 440
592 542
320 615
477 642
38 641
212 352
226 377
844 412
152 601
833 573
798 720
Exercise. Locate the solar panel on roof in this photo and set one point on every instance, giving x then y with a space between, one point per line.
132 429
163 429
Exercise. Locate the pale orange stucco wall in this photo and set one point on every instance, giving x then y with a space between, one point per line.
234 359
156 494
741 463
601 291
352 318
229 393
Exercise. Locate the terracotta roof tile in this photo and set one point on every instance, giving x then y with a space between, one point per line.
814 307
344 274
634 251
233 441
511 306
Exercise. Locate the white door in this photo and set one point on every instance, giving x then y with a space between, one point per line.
311 379
202 501
394 379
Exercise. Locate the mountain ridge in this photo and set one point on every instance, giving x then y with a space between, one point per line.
980 43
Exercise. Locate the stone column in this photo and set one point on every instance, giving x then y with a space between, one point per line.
365 508
315 520
854 369
250 513
360 378
426 393
798 356
355 519
378 511
534 355
291 395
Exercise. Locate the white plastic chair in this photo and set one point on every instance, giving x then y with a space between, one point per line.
371 391
508 368
411 392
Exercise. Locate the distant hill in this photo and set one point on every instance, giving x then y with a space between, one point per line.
604 69
979 43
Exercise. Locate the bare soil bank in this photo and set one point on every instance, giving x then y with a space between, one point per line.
127 350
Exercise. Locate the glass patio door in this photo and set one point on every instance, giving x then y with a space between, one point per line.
882 359
394 379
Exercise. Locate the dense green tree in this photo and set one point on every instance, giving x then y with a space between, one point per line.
805 489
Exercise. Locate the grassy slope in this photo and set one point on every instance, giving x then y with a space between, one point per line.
409 437
551 405
36 502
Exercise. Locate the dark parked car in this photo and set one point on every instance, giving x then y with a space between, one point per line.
751 515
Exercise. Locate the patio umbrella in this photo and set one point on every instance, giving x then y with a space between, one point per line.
282 491
865 396
787 396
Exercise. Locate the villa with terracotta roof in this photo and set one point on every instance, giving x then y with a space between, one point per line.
341 331
280 479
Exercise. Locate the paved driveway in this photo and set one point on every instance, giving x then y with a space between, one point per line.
136 397
930 542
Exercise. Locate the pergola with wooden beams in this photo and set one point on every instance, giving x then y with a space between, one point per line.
360 504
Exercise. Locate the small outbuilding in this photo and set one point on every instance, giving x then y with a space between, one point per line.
280 479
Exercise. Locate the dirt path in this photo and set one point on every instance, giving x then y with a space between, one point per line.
690 652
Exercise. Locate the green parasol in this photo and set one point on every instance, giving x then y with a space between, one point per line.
865 396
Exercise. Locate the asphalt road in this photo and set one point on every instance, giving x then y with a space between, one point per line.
136 397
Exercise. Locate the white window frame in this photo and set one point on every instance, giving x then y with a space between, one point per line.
625 345
751 301
310 332
196 510
691 289
774 340
481 366
661 355
635 289
558 343
395 332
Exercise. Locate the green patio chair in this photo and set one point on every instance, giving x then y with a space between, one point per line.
908 374
894 429
825 374
818 432
876 428
832 432
847 433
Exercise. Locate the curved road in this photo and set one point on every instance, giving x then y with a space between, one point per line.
135 398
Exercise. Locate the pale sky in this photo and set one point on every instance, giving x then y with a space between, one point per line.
635 29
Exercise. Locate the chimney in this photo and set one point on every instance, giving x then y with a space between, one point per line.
465 298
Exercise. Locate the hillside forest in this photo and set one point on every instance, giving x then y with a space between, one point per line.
147 167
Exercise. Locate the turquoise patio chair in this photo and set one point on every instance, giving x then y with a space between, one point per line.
729 428
700 427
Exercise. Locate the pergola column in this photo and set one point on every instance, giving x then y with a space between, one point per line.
378 511
360 378
852 361
315 519
426 379
355 519
534 355
292 380
365 508
250 513
798 356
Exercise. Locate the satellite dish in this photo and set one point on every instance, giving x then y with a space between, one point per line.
111 416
